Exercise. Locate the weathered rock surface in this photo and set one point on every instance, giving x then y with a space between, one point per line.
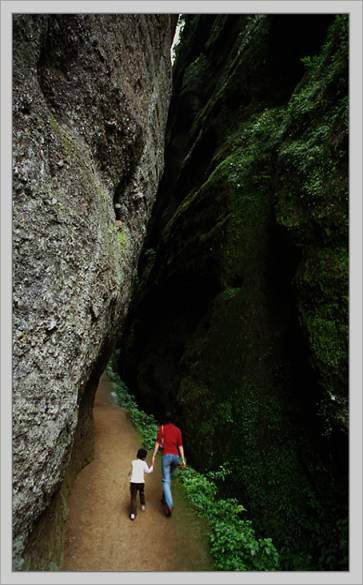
240 318
91 95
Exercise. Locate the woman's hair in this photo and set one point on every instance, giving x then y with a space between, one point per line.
141 454
167 417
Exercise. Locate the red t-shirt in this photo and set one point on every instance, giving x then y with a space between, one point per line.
172 438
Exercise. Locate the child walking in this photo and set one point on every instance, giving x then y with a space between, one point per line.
137 482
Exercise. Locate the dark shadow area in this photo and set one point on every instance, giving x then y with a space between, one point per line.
292 37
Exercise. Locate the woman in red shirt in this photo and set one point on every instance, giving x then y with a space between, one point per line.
169 437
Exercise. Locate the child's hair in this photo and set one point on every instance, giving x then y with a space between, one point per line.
141 454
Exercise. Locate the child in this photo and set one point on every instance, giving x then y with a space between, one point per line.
137 482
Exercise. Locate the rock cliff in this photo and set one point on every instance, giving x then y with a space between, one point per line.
90 96
239 315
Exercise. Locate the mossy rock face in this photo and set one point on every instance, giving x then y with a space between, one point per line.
313 207
240 319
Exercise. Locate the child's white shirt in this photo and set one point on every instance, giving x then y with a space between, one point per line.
138 468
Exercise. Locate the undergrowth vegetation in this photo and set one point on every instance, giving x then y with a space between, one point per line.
144 423
232 539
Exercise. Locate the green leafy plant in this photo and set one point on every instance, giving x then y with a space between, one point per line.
233 543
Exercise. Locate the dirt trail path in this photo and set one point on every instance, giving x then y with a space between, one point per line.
101 537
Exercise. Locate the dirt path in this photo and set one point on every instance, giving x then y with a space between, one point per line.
101 537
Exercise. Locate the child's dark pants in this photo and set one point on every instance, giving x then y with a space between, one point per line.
134 488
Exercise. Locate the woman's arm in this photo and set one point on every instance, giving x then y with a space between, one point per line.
156 449
181 449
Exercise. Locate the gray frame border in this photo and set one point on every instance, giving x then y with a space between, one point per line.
354 7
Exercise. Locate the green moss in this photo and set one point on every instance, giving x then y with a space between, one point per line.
121 236
325 340
89 186
230 382
243 178
312 204
228 389
53 123
229 293
196 74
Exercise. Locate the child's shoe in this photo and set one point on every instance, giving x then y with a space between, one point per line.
143 508
132 516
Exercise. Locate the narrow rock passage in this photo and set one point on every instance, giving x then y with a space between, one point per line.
101 537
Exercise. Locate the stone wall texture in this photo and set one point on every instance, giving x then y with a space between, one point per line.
90 101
